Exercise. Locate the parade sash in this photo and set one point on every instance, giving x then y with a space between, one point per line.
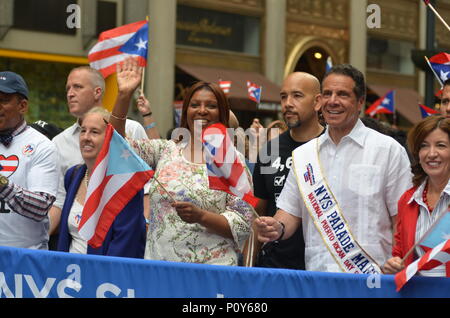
326 213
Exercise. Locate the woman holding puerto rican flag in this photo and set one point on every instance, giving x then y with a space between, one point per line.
423 220
120 227
189 221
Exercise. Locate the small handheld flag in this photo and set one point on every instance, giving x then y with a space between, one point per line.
225 86
438 233
383 105
427 111
226 172
440 65
254 92
117 44
437 256
118 175
328 64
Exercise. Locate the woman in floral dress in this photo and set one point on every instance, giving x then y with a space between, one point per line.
190 223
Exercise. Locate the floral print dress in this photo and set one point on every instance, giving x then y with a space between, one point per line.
169 237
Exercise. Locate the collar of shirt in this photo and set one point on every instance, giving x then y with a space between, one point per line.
19 129
358 135
418 194
75 128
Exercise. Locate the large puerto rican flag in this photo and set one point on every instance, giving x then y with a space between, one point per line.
117 44
226 172
118 175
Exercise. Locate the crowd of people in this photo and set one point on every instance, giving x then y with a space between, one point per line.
336 192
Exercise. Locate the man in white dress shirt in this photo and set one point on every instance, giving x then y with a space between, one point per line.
84 90
366 172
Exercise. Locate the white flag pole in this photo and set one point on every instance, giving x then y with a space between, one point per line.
438 15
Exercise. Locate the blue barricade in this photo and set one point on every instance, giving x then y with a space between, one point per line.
30 273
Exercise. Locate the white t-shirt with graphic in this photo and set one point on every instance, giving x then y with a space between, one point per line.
30 162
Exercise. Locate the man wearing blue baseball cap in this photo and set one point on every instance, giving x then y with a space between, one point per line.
28 170
11 83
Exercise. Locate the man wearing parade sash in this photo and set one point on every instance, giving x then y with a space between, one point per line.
343 187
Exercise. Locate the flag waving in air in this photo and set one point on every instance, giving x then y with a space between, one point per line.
226 172
254 92
118 175
328 64
225 86
440 65
439 232
117 44
427 111
383 105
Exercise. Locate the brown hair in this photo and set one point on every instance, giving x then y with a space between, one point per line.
417 135
222 102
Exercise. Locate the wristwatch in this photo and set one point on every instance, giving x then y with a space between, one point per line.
3 181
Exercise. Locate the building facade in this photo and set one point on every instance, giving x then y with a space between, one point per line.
238 40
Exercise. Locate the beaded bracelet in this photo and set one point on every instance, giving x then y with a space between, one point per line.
118 118
150 126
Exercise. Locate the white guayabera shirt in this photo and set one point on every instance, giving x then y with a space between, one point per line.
367 173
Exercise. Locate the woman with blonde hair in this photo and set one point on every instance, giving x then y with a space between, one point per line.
126 236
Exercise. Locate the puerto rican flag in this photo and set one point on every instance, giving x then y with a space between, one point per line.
226 172
118 175
438 233
437 256
117 44
440 65
254 92
427 111
383 105
225 86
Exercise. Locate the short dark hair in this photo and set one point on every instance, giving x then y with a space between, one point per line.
352 72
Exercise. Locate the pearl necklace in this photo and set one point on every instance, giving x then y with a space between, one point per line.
86 179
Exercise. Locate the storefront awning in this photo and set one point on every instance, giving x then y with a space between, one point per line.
406 101
238 96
